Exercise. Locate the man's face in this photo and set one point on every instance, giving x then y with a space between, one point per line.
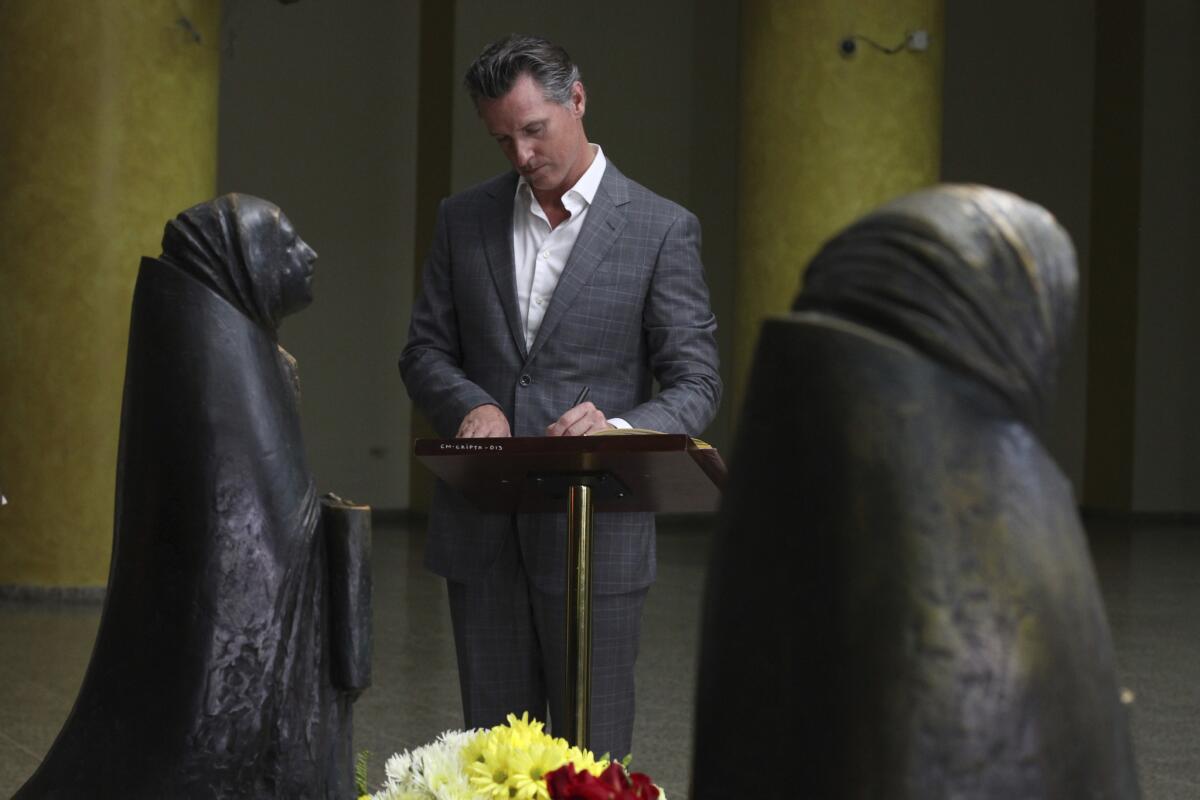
543 140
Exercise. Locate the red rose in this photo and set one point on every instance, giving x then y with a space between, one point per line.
613 784
643 789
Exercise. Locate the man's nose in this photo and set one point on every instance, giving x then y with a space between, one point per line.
524 154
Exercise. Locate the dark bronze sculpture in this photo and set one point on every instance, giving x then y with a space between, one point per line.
901 602
229 654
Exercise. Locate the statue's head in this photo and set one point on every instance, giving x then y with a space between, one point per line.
246 250
976 278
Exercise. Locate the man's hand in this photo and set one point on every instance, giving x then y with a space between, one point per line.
583 418
482 422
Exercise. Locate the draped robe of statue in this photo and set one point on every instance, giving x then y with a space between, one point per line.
901 603
211 671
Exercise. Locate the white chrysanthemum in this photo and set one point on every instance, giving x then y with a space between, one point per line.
433 772
442 767
401 794
457 739
398 768
461 790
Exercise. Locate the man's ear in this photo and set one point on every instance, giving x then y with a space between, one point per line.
578 99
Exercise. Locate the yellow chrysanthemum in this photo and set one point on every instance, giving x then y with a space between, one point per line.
525 729
530 766
511 761
586 761
492 774
472 753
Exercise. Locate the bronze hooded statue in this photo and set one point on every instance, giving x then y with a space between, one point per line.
216 667
901 602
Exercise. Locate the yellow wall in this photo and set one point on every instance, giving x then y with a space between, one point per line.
824 137
109 129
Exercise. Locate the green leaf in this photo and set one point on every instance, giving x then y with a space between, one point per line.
360 771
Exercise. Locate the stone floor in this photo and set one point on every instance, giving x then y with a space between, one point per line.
1150 576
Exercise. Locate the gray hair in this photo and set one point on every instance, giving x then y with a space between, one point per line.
498 67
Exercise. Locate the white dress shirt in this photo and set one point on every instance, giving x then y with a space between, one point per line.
540 253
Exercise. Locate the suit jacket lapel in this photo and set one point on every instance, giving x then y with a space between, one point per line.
603 225
497 222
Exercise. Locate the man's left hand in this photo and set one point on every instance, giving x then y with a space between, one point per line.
582 419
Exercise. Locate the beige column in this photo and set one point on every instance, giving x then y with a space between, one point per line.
109 129
825 137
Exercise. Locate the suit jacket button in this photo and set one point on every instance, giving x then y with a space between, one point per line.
525 380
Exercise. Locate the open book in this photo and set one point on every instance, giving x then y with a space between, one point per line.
699 443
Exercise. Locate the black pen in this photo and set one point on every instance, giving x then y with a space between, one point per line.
583 395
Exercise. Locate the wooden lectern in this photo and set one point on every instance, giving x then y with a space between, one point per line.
580 475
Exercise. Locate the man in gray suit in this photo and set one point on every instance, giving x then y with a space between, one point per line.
559 275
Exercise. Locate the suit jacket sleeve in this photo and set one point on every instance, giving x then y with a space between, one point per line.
431 363
680 334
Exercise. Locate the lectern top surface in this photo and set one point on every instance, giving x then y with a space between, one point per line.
556 444
661 472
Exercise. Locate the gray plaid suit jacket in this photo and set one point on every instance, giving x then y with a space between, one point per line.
631 307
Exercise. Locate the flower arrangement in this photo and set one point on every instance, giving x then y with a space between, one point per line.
516 761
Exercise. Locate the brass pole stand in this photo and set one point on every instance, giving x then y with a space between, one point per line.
579 614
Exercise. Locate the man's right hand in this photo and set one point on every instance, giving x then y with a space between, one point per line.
483 421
